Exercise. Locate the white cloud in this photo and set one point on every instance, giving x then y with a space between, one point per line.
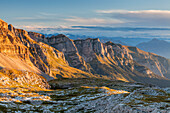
48 14
141 17
139 11
105 20
93 21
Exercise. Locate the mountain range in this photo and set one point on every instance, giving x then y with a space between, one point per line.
104 39
156 46
29 58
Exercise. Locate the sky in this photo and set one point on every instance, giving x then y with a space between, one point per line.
127 18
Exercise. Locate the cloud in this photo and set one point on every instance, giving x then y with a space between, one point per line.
141 17
68 20
54 29
146 18
107 20
49 29
105 28
94 21
130 32
48 14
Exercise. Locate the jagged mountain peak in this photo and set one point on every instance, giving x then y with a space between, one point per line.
155 40
110 43
11 28
3 24
58 36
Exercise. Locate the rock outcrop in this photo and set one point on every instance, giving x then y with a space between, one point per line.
67 46
3 25
21 78
37 37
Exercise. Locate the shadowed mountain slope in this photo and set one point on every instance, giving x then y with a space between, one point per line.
158 64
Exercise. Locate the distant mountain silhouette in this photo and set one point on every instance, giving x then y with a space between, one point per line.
156 46
104 39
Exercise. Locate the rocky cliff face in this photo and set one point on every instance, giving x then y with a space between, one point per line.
15 59
112 60
37 36
89 48
3 25
105 60
67 46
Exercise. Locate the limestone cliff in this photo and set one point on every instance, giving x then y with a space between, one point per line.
105 60
111 60
37 36
67 46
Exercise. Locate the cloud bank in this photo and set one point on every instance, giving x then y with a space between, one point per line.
107 17
142 23
93 21
142 17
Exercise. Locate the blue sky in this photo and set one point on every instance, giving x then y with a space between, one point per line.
61 15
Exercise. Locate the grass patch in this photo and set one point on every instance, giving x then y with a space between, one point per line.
150 99
80 91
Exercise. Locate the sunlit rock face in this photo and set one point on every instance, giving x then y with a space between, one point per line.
110 55
19 78
109 60
67 46
37 36
16 66
3 24
25 51
89 48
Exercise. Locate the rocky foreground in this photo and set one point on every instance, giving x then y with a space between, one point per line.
87 95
